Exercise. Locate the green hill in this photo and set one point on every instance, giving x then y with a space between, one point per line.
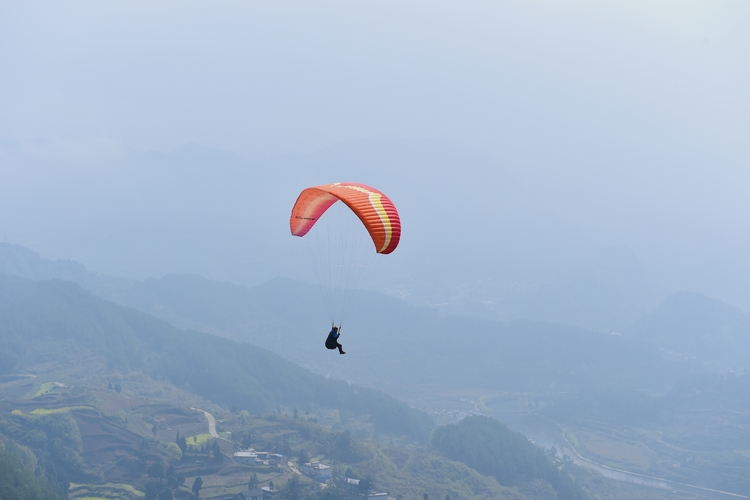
391 344
82 435
87 453
57 321
489 447
17 478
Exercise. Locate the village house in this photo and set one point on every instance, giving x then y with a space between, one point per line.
254 494
370 496
245 457
252 457
264 493
316 470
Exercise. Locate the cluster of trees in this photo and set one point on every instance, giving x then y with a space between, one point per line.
208 448
54 440
163 482
17 478
181 443
489 447
245 437
254 482
365 485
293 490
336 445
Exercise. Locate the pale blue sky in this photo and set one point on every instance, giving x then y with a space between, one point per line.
598 123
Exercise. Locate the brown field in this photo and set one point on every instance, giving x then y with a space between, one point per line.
110 449
615 451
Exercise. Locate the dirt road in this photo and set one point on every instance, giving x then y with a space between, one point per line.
211 423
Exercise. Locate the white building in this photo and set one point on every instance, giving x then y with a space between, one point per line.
252 457
371 496
264 493
268 492
256 494
245 457
317 471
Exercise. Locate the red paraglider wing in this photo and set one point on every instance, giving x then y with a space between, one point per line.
374 209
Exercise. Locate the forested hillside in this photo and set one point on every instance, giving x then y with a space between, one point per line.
58 321
391 343
112 446
611 390
492 449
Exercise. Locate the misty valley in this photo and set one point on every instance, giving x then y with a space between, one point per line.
184 387
374 250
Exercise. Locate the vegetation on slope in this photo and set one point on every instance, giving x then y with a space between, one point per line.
61 314
279 315
489 447
17 478
403 473
114 459
55 442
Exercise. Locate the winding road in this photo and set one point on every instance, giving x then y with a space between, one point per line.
211 423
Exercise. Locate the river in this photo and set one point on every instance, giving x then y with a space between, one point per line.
541 437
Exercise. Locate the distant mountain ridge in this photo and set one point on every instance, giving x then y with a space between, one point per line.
21 261
691 324
392 345
201 210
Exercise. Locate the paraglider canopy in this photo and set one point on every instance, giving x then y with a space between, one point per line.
374 209
340 250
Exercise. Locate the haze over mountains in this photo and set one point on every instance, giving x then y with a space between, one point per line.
397 345
503 248
572 183
59 322
571 162
84 436
659 384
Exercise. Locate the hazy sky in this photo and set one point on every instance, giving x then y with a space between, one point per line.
628 120
264 78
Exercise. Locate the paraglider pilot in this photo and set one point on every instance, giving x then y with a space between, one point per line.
332 342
